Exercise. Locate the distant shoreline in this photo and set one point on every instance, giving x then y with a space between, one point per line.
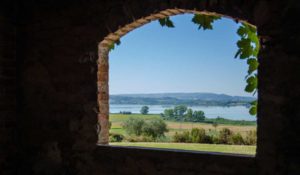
188 99
189 105
229 112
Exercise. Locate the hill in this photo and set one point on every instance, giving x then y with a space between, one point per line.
207 99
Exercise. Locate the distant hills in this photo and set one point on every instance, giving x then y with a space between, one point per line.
205 99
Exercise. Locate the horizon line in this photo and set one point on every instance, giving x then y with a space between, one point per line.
149 93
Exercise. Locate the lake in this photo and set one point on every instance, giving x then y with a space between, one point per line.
232 112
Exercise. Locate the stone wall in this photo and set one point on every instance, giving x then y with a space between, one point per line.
7 87
132 161
279 88
56 69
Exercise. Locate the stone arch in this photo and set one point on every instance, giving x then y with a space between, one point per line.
103 61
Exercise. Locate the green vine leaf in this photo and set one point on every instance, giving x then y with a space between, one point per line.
245 48
162 22
166 22
169 24
118 42
242 31
251 84
254 102
253 65
112 45
205 21
248 48
253 108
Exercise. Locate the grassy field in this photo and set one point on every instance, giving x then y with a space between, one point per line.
238 149
118 119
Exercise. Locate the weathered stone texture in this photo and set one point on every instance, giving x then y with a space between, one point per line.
50 84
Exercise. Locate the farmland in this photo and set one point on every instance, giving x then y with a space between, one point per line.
116 128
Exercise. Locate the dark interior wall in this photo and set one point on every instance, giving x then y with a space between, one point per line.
57 88
7 86
279 88
59 84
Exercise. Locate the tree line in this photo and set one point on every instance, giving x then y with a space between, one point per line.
183 113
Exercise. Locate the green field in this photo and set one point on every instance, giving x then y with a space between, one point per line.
238 149
118 119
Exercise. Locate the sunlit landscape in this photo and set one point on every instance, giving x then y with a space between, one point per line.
191 98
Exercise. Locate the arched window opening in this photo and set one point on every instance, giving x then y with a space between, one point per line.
199 113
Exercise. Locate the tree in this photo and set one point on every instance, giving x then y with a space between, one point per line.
168 114
144 110
180 110
189 115
154 128
133 125
179 113
198 116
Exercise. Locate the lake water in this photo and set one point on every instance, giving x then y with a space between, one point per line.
233 112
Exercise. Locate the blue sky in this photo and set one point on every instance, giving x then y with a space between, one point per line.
153 59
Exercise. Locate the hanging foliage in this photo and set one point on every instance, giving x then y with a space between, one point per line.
112 45
205 21
248 48
166 22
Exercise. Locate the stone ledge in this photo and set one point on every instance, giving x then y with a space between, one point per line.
179 151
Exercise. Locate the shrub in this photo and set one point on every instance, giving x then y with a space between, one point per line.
237 139
116 137
198 135
126 112
183 137
215 140
134 125
208 139
225 136
154 128
195 136
251 138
